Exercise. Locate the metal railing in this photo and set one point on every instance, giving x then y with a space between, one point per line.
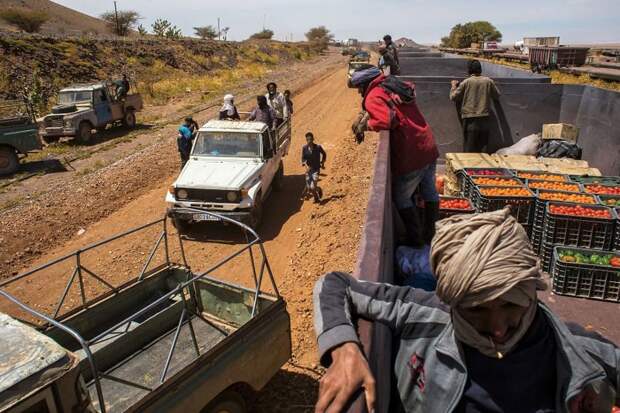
180 292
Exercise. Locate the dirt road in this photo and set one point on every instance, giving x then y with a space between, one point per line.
302 239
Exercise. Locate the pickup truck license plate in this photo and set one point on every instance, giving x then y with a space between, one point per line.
205 217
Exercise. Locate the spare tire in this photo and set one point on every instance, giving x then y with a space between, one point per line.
64 108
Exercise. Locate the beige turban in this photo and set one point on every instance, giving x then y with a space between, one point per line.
478 258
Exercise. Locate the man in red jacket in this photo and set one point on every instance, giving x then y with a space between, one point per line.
389 104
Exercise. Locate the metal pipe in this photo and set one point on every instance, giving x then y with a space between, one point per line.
257 292
174 344
71 332
191 327
65 292
70 255
151 255
80 279
98 278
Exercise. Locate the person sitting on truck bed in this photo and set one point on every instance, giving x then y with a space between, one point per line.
184 140
475 94
313 157
277 102
229 110
482 343
263 113
389 104
122 88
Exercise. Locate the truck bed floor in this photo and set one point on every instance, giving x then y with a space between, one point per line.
145 367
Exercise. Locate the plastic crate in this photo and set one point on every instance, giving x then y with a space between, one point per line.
447 212
576 231
543 176
588 188
536 184
603 180
603 199
617 231
539 212
479 172
469 183
600 282
522 207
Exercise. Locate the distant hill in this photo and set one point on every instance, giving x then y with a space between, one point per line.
63 20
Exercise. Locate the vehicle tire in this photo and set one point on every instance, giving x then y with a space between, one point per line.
50 139
180 224
85 132
256 216
228 402
278 180
8 160
129 120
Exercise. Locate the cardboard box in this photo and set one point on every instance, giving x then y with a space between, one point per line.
574 163
563 131
566 170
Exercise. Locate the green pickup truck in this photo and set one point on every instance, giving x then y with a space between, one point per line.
170 339
19 134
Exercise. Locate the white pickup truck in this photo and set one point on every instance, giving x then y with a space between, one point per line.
231 171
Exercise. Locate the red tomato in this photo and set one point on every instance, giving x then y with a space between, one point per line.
580 210
457 203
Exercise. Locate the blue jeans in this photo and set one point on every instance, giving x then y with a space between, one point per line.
405 185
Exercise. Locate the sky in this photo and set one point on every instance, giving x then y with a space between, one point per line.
425 21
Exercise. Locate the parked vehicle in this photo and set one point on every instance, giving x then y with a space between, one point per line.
232 169
553 57
168 340
19 134
85 107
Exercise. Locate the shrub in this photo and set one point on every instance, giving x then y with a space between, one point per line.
28 21
127 20
206 32
265 34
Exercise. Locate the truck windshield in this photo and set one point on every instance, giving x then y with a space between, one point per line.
75 96
227 144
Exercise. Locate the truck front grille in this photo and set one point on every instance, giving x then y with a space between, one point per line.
206 195
54 122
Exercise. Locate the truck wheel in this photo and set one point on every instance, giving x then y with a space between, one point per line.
229 402
278 180
180 224
8 160
84 133
129 120
256 216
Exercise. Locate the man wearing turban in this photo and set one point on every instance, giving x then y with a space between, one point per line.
482 343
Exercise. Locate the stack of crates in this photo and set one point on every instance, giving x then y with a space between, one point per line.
576 278
575 231
543 196
467 175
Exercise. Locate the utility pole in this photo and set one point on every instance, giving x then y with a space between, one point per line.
118 29
219 32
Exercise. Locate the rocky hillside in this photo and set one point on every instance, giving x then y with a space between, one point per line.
62 20
161 69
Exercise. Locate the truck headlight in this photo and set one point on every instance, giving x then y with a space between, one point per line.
182 194
232 196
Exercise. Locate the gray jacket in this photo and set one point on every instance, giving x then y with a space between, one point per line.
429 366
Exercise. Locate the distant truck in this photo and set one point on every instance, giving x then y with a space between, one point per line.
84 107
232 169
168 340
19 134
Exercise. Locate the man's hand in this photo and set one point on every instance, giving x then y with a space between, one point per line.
323 165
348 373
454 83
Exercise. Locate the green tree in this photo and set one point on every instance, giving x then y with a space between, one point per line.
123 24
26 20
319 37
265 34
206 32
142 30
163 28
463 35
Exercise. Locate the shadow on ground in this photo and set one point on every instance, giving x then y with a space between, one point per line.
287 392
279 207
